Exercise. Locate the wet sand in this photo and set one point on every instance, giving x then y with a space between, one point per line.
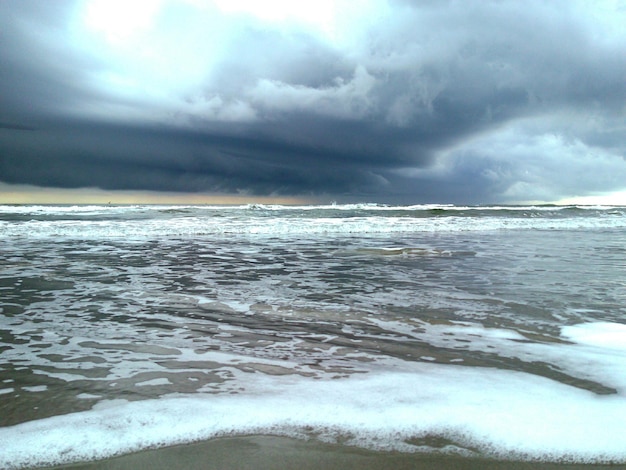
279 453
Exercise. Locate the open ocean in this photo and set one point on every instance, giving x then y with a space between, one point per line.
496 332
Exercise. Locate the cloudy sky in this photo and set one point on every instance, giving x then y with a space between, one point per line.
393 101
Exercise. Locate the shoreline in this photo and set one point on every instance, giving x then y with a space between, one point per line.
260 452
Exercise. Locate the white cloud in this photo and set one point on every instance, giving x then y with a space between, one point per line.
214 108
349 99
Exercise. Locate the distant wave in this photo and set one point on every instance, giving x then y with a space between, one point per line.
77 208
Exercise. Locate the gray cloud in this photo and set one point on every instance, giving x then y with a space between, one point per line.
432 101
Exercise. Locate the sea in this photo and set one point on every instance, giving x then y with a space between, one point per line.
490 331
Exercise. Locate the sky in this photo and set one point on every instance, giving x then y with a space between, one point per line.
432 101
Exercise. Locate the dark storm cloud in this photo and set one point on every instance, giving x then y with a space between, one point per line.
124 157
433 101
19 127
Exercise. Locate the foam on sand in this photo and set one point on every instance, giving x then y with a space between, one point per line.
397 405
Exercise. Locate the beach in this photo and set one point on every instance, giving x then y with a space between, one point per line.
279 453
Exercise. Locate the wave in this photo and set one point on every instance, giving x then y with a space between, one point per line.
403 407
292 228
97 221
365 206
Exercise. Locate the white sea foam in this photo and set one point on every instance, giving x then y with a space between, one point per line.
153 382
274 220
503 414
297 226
36 388
597 351
599 334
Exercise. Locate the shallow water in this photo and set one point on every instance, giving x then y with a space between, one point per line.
374 326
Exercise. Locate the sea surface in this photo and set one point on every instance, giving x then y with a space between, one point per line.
495 332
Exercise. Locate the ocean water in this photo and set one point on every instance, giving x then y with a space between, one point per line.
497 332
